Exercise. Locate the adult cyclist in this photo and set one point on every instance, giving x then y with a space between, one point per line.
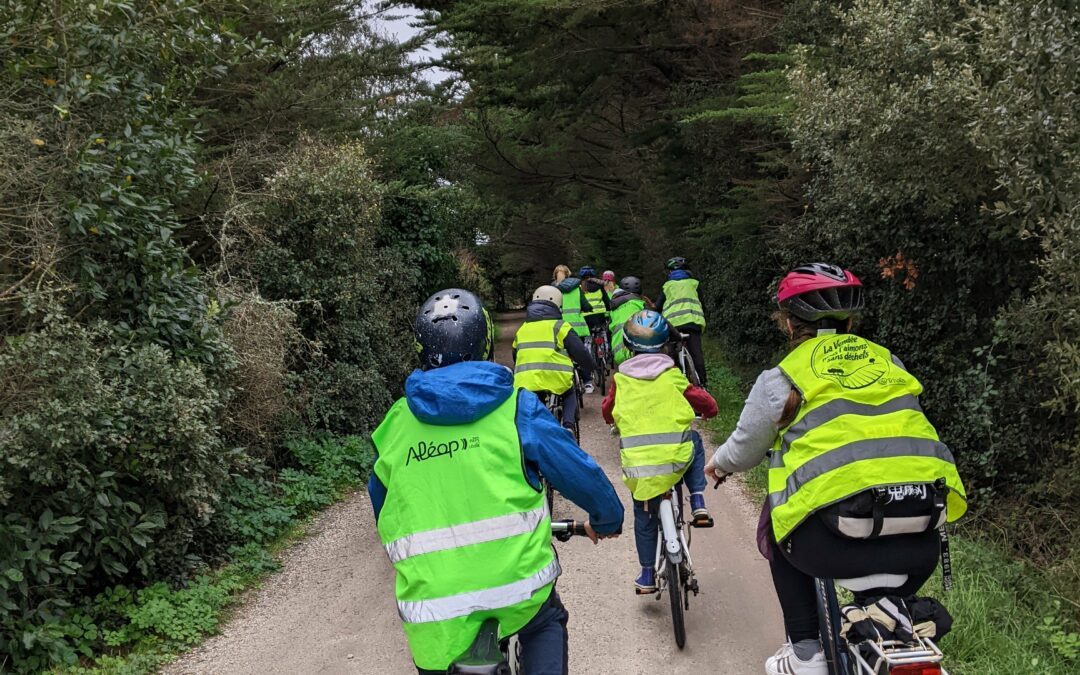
458 500
680 304
858 478
546 352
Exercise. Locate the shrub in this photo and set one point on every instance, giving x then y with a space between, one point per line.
354 299
110 461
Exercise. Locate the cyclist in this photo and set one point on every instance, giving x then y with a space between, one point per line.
609 282
573 301
681 306
546 351
625 303
596 304
458 499
653 405
842 417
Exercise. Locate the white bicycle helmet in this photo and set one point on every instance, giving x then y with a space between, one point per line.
550 294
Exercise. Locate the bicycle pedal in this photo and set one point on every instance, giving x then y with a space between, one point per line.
642 591
703 524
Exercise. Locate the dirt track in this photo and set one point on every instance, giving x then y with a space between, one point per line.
331 609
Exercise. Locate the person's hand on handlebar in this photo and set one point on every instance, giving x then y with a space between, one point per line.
594 537
715 474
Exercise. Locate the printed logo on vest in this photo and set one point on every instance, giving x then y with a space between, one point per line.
422 451
848 361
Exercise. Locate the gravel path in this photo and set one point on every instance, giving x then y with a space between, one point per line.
331 608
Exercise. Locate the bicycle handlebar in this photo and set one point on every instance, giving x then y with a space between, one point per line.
564 529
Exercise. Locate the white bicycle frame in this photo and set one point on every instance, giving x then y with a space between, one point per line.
671 546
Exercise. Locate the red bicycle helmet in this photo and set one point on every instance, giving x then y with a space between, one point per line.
819 291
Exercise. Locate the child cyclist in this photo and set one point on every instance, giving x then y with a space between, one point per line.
653 404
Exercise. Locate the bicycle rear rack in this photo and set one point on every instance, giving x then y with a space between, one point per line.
892 653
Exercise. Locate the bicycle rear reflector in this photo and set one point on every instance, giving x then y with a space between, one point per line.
916 669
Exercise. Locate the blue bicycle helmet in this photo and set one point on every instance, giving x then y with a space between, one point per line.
586 272
646 332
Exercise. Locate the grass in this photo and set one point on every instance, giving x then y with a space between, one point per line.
1006 620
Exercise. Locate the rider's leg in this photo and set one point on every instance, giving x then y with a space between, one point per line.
694 478
543 640
645 538
570 404
796 592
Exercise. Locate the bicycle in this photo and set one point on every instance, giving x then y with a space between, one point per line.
674 568
489 654
921 657
554 404
686 362
600 350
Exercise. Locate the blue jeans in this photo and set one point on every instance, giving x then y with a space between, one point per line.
542 640
569 410
645 521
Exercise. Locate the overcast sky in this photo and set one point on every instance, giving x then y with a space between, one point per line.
397 23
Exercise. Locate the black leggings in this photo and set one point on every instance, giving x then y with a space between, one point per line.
813 550
692 332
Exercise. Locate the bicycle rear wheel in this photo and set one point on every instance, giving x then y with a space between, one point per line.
675 594
688 368
828 614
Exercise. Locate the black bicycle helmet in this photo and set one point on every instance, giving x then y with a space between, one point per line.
631 285
817 291
676 263
452 327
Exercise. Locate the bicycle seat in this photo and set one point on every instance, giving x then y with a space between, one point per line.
873 581
484 657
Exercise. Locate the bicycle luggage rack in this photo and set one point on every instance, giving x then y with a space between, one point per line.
892 653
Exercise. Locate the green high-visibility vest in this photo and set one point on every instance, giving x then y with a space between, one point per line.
655 442
542 363
596 301
619 316
682 306
860 426
571 312
469 537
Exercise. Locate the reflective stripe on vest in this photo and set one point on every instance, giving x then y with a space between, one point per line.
655 444
542 363
860 426
619 316
682 306
468 536
465 534
464 604
571 312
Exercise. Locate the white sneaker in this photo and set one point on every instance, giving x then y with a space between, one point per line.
589 388
784 662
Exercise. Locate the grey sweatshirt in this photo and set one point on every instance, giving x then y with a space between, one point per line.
756 431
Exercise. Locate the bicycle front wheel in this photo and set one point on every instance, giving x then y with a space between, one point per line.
675 594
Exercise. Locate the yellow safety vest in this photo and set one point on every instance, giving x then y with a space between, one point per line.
571 312
682 306
469 537
596 300
618 319
860 426
542 363
655 442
